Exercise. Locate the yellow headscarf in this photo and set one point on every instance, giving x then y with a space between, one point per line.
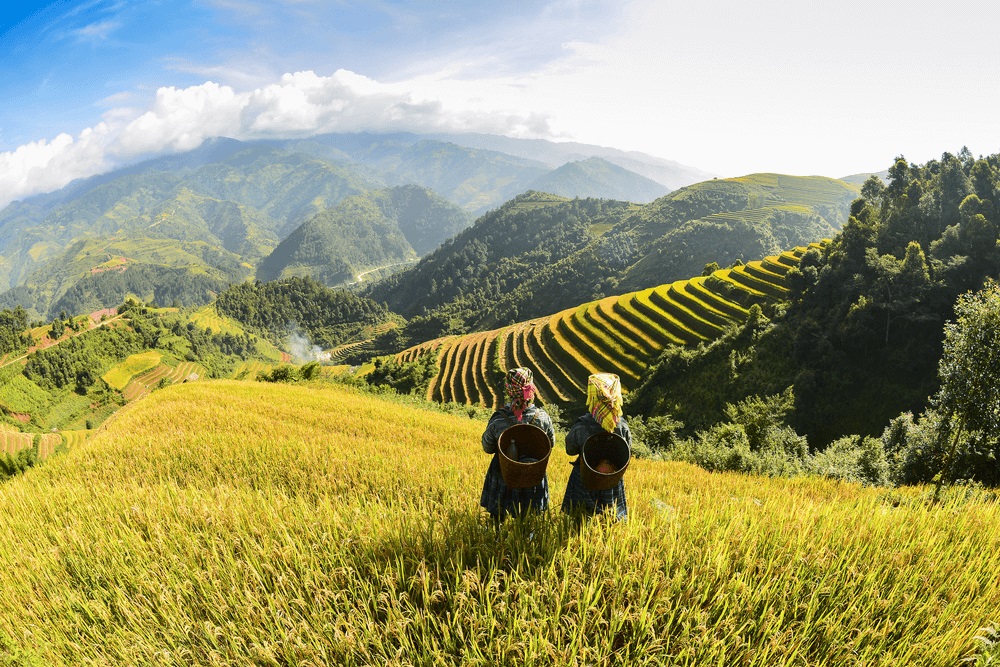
604 399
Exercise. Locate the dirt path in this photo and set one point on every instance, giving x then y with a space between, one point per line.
361 276
35 348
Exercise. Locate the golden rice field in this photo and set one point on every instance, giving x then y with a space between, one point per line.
11 442
232 523
120 375
620 334
141 385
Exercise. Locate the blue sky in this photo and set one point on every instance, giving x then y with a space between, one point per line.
729 86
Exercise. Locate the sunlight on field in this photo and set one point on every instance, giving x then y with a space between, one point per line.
119 376
235 523
208 318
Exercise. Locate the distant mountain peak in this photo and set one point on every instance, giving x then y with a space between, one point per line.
596 177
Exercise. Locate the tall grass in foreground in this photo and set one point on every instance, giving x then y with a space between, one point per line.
230 523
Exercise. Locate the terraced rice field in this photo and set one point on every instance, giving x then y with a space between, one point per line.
119 376
618 334
142 384
341 351
73 439
248 369
11 442
208 318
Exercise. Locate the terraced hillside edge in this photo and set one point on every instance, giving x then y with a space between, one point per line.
618 334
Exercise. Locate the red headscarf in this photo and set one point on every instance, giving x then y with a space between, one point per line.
520 390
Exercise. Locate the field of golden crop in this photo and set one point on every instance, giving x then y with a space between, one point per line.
136 364
621 334
232 523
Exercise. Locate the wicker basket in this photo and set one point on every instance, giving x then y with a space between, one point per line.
518 443
607 447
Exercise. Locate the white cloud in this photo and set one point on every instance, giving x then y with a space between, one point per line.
730 87
300 104
96 32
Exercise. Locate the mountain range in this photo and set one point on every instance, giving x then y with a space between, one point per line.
215 215
540 253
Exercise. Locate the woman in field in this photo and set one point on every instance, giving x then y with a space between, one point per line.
500 500
604 405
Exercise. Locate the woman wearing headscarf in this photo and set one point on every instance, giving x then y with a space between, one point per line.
604 415
499 499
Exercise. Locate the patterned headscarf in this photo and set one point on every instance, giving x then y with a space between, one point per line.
604 399
520 390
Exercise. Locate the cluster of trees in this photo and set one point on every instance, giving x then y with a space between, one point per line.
328 316
860 342
79 361
404 377
13 337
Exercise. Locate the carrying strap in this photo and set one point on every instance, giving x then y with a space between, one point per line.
513 422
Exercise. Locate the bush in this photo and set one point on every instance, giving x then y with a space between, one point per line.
11 465
727 447
853 459
411 377
656 434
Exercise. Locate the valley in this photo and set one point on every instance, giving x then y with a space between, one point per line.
797 345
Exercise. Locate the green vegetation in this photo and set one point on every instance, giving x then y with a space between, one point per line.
623 335
539 253
119 376
465 277
214 522
378 228
860 340
94 369
12 331
596 177
274 310
98 273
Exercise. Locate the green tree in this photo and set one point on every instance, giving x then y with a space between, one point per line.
969 398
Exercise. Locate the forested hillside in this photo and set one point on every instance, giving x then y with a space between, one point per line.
276 310
378 228
94 273
244 202
539 253
595 177
480 172
74 372
179 228
456 284
860 342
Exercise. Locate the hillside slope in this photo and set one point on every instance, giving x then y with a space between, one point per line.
622 334
599 178
377 228
540 253
231 523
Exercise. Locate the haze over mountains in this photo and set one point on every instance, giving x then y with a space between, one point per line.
339 208
212 215
540 253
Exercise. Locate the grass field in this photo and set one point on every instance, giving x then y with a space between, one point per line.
230 523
